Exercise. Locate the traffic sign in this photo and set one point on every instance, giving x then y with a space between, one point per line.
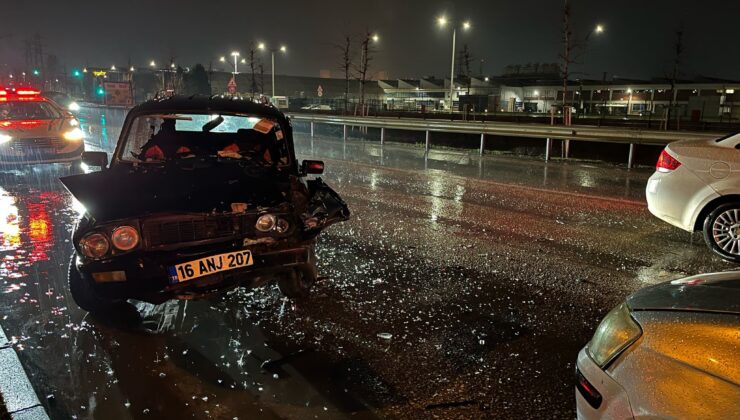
320 91
231 87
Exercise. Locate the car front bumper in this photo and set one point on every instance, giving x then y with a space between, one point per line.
25 156
614 401
144 275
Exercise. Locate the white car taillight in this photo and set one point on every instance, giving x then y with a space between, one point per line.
666 162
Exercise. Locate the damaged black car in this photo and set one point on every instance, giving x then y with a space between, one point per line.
202 194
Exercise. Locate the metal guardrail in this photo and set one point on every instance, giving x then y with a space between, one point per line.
631 136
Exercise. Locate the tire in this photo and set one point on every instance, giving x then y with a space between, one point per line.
84 295
722 231
297 284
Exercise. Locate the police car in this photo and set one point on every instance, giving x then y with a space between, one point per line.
34 129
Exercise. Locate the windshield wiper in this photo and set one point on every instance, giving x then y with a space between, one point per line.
210 125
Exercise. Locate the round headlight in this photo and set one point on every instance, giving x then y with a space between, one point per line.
265 223
125 238
74 134
282 226
94 245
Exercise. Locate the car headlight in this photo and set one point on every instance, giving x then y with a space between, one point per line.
74 134
265 223
94 245
125 238
616 332
282 226
4 138
74 106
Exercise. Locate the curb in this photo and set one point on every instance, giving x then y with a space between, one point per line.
20 399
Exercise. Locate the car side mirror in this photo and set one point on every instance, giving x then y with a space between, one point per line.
95 159
312 167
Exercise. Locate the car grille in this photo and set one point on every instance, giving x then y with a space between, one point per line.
37 143
182 230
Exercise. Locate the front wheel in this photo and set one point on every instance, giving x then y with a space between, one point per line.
84 294
297 283
722 231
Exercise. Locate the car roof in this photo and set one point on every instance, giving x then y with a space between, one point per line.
711 292
202 103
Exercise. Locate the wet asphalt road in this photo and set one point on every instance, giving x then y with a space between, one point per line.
460 288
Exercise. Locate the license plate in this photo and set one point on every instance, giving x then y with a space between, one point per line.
210 265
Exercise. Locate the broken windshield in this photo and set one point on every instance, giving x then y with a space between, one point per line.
161 137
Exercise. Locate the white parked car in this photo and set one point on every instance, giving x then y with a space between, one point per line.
670 351
696 187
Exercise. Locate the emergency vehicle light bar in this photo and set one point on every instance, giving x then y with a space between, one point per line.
24 91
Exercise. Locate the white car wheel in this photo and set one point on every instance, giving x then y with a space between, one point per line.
722 231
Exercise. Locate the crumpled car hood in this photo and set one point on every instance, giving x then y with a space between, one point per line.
123 191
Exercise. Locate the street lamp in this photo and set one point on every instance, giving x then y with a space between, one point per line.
598 29
113 68
235 54
283 49
152 64
442 22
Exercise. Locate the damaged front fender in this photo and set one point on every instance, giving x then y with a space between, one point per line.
324 208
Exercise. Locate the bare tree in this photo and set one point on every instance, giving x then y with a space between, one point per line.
464 64
346 64
253 66
262 79
363 68
678 50
566 58
573 50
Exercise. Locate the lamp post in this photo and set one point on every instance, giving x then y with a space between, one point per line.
283 49
442 22
235 54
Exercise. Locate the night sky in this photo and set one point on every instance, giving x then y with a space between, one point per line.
637 42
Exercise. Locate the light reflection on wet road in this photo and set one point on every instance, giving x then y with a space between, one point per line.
462 290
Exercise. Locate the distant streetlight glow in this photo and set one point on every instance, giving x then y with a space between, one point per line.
442 20
599 28
283 48
222 59
152 64
466 25
375 38
172 65
131 69
261 46
244 61
113 67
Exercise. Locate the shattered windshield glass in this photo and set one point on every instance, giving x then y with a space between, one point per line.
162 137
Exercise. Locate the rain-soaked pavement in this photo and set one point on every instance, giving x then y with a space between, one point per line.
460 288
